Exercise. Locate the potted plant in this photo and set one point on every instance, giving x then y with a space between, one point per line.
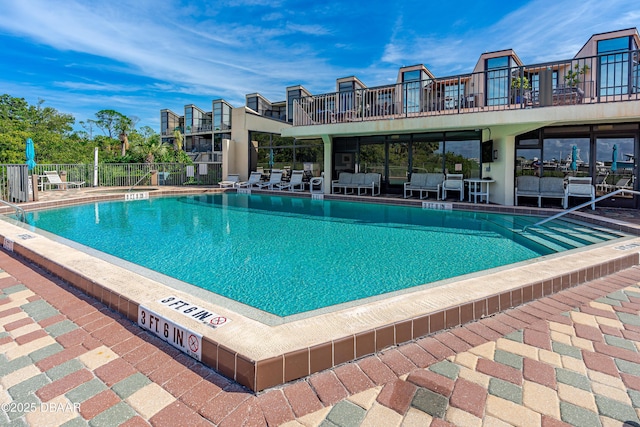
573 76
519 86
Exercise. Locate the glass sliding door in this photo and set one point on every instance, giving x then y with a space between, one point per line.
462 157
426 153
310 157
372 159
566 157
398 165
615 169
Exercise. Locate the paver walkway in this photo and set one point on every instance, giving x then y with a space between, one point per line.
569 359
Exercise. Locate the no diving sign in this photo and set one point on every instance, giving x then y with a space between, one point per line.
218 321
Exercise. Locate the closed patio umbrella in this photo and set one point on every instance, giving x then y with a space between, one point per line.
574 158
614 159
30 153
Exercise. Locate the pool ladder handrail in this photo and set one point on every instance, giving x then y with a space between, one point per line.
139 181
580 206
22 214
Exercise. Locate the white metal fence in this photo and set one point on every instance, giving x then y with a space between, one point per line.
116 175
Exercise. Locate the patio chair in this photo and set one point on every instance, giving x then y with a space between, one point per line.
580 187
274 179
416 182
423 183
54 179
254 179
552 187
296 182
232 180
453 182
528 186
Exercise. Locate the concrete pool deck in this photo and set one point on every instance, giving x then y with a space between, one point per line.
388 355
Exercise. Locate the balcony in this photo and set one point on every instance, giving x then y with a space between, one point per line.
612 77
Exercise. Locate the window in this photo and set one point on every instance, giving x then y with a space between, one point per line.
566 155
453 95
292 95
411 76
188 119
614 67
346 96
277 152
411 89
535 81
498 80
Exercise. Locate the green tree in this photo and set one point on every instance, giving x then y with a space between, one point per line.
114 124
151 148
178 139
50 130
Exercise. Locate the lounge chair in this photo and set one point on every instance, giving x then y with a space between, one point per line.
580 187
232 180
453 182
601 181
274 179
254 180
296 182
54 179
623 183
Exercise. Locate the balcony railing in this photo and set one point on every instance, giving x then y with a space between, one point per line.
605 78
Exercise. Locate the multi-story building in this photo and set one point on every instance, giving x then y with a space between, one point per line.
577 117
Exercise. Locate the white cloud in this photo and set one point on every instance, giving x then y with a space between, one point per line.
194 52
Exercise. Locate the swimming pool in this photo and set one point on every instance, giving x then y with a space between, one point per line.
288 255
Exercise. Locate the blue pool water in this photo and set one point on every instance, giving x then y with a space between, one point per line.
287 255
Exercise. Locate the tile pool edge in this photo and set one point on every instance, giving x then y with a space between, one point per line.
274 357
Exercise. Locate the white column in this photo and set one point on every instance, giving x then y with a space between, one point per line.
225 158
328 162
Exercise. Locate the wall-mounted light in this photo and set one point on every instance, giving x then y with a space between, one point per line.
495 154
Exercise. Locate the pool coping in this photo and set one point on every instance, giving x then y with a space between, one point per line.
260 356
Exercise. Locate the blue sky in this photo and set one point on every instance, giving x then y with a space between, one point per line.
140 56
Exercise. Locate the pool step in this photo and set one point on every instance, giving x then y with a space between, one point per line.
557 235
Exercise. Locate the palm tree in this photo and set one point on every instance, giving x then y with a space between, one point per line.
151 148
178 139
124 125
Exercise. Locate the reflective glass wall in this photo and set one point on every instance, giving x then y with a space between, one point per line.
272 151
607 153
395 157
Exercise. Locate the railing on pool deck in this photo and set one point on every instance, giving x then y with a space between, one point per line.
580 206
124 174
22 216
139 181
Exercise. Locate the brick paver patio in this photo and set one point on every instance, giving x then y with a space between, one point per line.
568 359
